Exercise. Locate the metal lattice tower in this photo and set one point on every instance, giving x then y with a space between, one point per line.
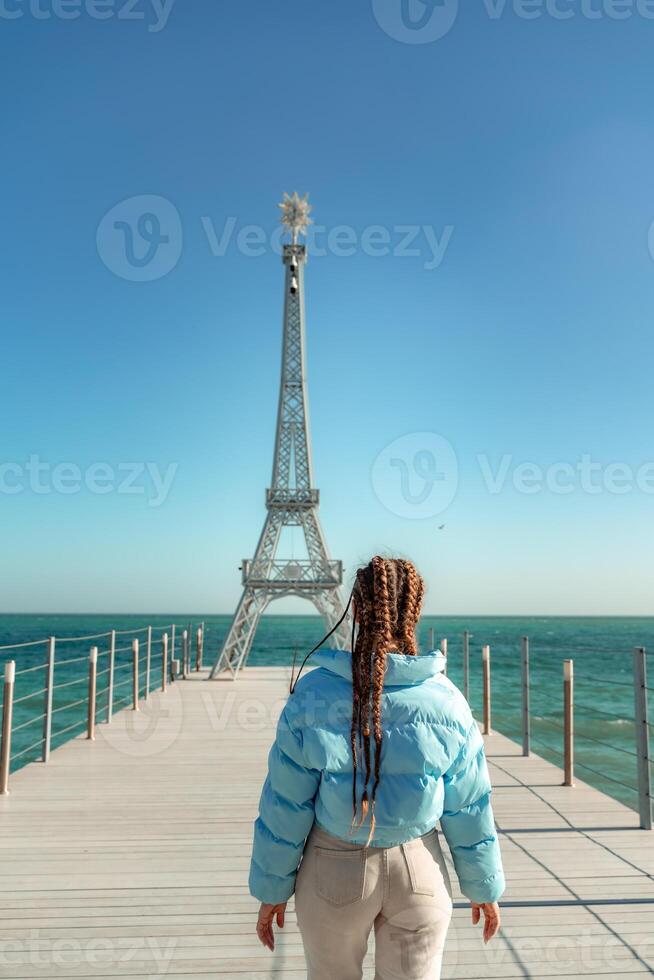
292 500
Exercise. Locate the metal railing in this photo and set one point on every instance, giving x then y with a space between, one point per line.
87 687
551 702
549 721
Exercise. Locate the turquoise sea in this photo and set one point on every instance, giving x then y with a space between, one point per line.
600 647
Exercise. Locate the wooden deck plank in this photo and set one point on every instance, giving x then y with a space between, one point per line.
128 856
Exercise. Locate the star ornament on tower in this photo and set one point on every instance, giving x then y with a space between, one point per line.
295 214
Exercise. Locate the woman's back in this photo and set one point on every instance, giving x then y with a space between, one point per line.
372 749
431 757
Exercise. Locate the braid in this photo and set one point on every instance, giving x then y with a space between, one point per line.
356 714
383 630
387 599
364 727
413 601
382 596
393 579
363 655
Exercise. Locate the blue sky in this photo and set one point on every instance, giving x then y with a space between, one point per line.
525 146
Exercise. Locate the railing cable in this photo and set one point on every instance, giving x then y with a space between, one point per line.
30 670
79 639
603 775
19 646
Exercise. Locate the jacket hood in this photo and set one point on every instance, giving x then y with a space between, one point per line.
401 670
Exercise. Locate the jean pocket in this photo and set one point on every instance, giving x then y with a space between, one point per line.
426 865
340 875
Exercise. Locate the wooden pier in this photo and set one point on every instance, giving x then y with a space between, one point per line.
127 856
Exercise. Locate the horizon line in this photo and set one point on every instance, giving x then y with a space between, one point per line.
197 615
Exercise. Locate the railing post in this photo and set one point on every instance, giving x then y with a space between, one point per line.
172 647
642 739
568 723
47 708
110 688
164 661
7 709
148 659
466 665
526 720
199 642
93 676
185 657
189 648
485 660
135 675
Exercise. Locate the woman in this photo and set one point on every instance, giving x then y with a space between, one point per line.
372 749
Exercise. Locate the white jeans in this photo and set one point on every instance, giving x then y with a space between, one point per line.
344 889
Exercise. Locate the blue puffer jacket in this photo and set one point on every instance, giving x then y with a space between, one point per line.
432 767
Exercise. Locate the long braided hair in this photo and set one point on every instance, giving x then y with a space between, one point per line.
387 597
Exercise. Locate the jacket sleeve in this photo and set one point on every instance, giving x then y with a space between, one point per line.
469 825
286 814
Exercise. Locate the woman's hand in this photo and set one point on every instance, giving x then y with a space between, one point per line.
492 920
267 914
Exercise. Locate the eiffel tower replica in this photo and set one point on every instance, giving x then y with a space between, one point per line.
292 500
